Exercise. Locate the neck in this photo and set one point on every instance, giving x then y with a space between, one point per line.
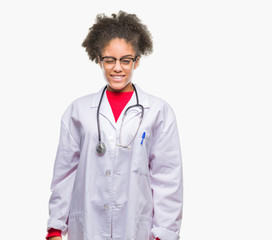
127 88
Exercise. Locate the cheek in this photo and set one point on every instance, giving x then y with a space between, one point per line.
128 73
106 72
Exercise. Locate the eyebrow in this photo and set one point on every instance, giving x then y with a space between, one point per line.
129 55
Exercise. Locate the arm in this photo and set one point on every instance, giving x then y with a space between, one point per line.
63 180
166 181
53 234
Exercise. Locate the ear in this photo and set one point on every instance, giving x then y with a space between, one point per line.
137 62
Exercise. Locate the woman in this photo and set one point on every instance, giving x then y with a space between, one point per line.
117 172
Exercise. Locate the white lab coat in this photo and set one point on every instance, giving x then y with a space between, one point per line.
126 194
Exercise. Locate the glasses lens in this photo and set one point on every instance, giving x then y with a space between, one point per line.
109 62
126 62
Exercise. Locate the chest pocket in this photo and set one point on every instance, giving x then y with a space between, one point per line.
140 157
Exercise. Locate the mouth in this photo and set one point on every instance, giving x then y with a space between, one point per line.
117 77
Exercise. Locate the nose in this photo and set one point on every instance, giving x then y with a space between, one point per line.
117 66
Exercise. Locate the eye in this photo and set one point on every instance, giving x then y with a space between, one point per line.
126 61
109 60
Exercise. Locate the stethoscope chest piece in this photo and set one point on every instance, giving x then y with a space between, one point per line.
100 148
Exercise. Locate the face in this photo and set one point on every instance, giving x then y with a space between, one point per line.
118 75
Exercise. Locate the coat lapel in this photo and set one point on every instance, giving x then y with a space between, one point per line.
106 111
135 111
105 108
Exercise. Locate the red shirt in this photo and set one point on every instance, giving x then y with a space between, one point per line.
53 233
118 101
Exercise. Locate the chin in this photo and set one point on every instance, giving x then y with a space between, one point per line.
118 86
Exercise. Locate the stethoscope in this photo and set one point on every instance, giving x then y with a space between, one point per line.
101 147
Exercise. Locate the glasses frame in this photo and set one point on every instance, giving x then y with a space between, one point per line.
134 59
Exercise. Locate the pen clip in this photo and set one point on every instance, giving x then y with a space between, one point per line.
143 137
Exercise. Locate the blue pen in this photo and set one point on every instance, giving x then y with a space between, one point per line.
143 137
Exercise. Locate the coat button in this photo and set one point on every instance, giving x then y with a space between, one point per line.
106 206
118 205
108 172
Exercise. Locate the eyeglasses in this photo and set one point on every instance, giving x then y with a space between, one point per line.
126 62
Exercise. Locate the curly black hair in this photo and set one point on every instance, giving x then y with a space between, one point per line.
124 26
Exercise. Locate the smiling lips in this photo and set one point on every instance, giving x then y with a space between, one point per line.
117 77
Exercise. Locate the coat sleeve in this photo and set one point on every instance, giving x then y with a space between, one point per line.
166 180
65 167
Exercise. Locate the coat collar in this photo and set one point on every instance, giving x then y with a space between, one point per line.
105 108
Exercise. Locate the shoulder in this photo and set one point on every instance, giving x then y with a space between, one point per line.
80 104
83 100
155 104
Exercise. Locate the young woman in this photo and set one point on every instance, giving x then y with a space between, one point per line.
117 172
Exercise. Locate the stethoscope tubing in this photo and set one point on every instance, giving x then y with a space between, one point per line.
101 148
97 114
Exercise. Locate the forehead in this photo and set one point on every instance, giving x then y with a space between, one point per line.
118 47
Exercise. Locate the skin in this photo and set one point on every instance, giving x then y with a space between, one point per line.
119 48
